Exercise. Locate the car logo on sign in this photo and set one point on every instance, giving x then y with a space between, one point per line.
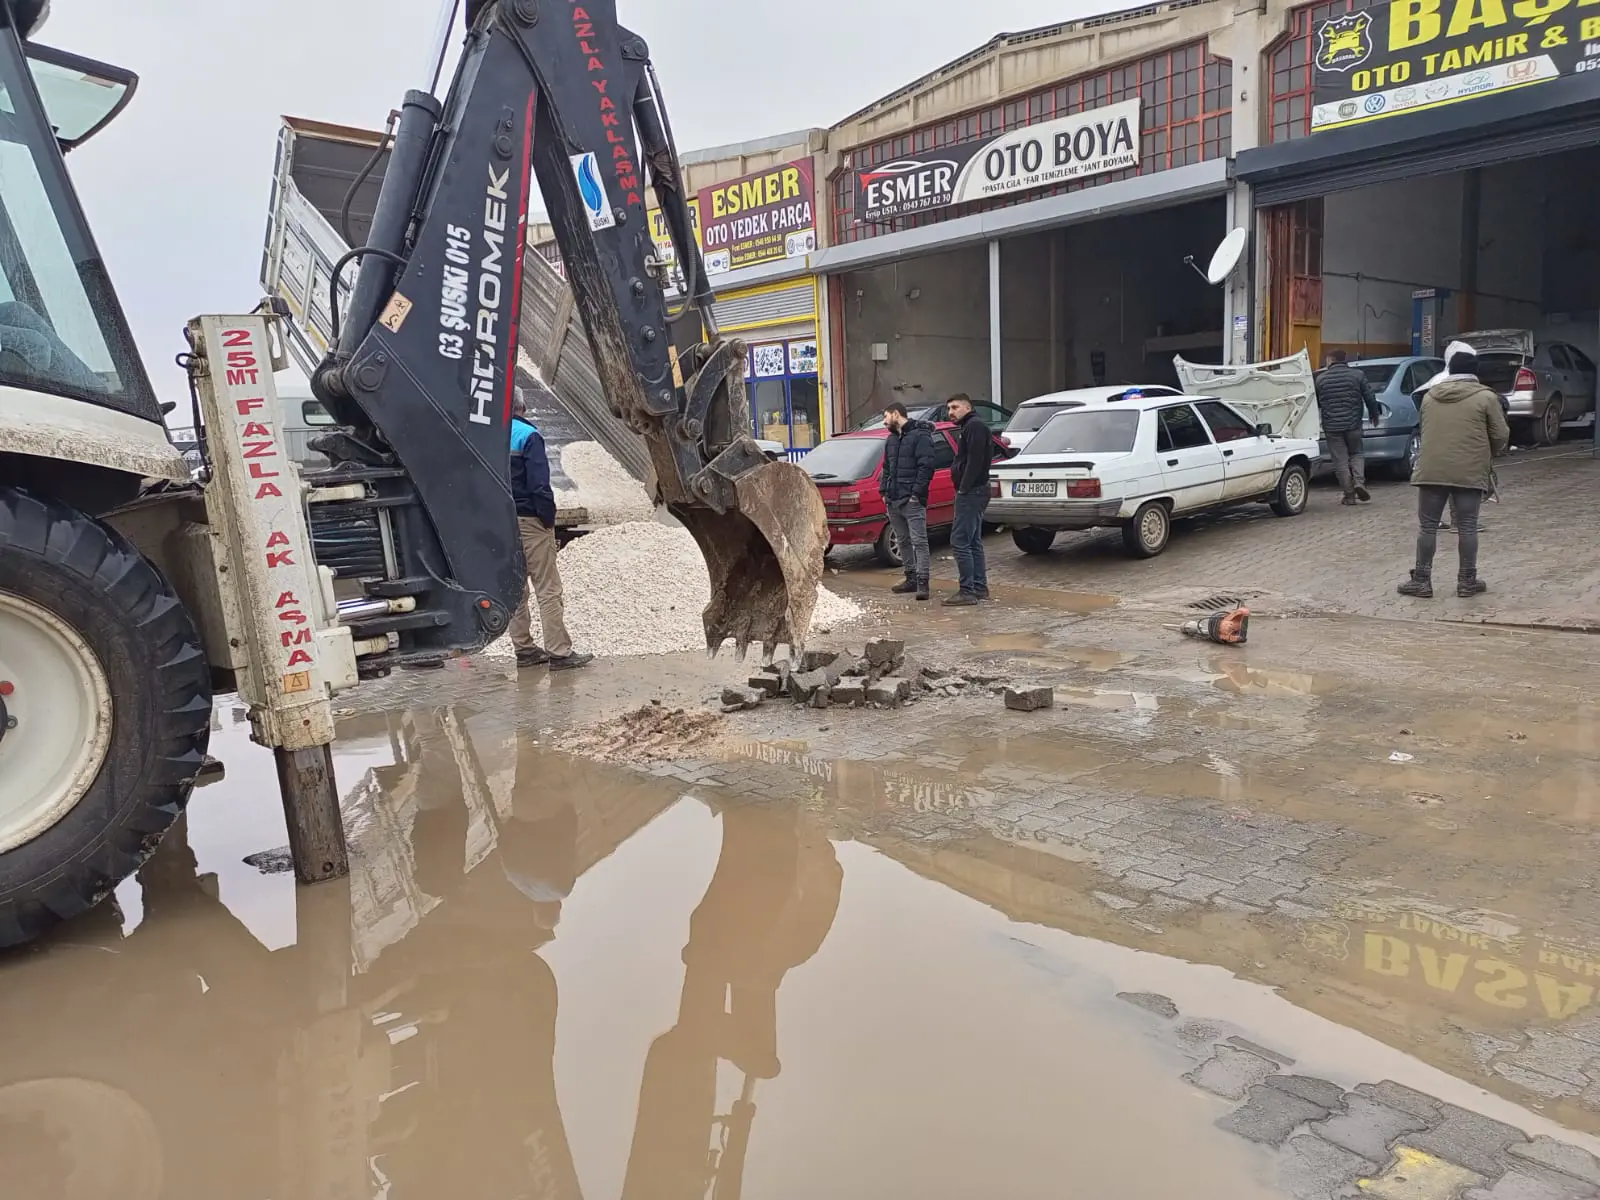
1374 104
1347 110
1344 43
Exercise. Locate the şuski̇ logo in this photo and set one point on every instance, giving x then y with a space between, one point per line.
1344 43
586 170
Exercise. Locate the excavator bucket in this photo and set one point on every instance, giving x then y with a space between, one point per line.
764 557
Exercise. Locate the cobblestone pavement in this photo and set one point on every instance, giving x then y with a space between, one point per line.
1540 553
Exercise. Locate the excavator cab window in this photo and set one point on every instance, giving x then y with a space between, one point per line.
61 329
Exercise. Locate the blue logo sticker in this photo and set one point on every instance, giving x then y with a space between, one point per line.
1375 104
586 169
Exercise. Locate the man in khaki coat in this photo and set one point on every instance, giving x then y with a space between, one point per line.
1463 429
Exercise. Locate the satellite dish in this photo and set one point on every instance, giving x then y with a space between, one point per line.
1227 256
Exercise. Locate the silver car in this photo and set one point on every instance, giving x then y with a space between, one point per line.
1545 385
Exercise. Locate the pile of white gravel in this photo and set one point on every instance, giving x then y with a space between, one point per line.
602 485
639 588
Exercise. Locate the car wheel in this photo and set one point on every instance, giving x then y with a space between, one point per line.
1549 429
1145 536
887 548
1294 489
1034 541
1407 468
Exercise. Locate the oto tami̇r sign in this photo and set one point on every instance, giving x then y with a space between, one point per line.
1035 156
1410 55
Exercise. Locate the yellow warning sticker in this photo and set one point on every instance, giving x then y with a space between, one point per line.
300 681
395 313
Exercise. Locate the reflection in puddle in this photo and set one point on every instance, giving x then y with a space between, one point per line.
739 1004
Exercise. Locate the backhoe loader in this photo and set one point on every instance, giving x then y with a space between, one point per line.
132 588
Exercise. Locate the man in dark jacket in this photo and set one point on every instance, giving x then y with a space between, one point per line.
1342 393
970 473
907 476
536 518
1463 429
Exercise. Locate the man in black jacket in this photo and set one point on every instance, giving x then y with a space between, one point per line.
907 476
1342 393
970 473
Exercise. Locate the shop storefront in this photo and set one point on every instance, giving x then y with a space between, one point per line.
1433 168
761 225
1037 244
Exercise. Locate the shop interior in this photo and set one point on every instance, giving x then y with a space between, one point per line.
1107 301
1401 268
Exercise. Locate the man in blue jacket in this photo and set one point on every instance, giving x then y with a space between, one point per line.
536 518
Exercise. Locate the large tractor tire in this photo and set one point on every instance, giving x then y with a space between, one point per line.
106 712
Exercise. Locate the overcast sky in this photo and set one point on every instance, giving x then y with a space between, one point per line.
177 188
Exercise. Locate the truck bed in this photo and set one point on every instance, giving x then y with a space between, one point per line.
316 164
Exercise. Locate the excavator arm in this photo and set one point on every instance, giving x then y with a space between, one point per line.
553 92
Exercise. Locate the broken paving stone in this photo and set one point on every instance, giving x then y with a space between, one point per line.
1231 1073
815 660
1110 899
850 690
1559 1156
804 684
822 697
1150 1002
1308 1087
885 652
1367 1128
1029 699
768 685
889 690
1398 1095
737 698
1311 1169
1270 1115
1471 1139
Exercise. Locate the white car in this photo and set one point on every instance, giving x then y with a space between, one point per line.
1139 461
1031 415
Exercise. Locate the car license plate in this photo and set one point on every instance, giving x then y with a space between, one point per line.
1034 488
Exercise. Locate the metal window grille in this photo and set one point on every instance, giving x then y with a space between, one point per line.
1187 118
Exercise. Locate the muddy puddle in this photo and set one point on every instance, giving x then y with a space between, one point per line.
787 973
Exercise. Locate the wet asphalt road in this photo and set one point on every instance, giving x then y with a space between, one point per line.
1315 917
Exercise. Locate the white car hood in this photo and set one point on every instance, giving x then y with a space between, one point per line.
1281 393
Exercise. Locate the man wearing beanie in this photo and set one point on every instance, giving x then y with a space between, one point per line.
1463 429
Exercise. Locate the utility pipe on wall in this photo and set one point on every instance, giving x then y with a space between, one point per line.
994 322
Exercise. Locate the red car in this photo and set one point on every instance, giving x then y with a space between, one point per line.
847 469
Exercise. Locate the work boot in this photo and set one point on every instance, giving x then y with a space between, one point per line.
983 594
1362 494
922 587
532 656
1349 500
1420 586
1468 585
906 586
568 662
960 600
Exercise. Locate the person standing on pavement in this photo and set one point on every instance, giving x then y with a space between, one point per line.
536 520
907 476
1342 393
970 473
1463 429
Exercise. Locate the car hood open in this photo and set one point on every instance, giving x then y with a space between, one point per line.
1281 393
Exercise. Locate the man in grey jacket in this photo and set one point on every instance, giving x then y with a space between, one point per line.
1342 393
1463 429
